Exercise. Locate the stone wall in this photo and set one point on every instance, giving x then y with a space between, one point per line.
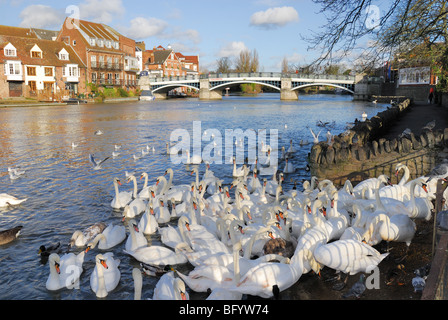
359 153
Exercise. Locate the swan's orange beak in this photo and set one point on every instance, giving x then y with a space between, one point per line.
157 182
153 194
396 173
119 182
56 265
136 228
425 187
187 225
87 249
249 216
309 209
241 196
227 194
161 203
271 235
324 211
104 264
183 295
151 210
195 206
332 203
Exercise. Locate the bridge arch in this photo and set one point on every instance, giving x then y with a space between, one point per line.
322 84
169 87
233 83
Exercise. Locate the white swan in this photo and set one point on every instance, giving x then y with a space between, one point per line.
136 238
239 172
8 200
289 168
195 159
109 238
370 183
122 198
315 136
81 238
148 222
106 275
291 148
419 208
136 206
170 288
348 256
158 255
65 271
398 228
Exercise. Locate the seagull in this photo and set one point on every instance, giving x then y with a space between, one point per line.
136 157
329 136
364 116
98 132
15 173
115 154
96 164
74 145
117 147
316 137
374 101
357 289
430 125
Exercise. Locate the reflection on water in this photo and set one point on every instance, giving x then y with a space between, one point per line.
64 193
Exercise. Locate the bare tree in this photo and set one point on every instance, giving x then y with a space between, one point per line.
396 23
285 65
247 61
224 65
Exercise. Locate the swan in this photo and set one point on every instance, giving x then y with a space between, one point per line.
289 168
195 159
337 221
122 198
162 213
136 238
171 151
136 206
109 238
273 184
400 166
253 182
171 236
418 207
148 222
398 228
175 191
170 288
291 148
239 172
8 200
348 256
81 238
138 283
158 255
65 271
370 183
145 192
9 235
106 275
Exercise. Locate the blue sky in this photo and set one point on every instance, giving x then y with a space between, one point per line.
208 28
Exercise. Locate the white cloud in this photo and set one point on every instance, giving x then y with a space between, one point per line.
232 49
40 16
274 17
101 11
142 28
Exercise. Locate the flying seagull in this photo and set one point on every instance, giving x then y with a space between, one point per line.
96 164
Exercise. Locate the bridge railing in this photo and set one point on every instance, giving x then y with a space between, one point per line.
254 75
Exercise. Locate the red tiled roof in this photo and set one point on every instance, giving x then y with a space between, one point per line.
17 32
50 50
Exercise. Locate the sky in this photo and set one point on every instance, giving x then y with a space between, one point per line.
208 28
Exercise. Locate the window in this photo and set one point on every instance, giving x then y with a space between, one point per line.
48 72
13 68
31 71
101 61
10 52
92 42
94 77
73 71
108 43
109 62
74 42
36 54
93 61
100 43
63 56
32 85
48 86
117 45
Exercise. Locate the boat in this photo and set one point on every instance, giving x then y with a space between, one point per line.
147 95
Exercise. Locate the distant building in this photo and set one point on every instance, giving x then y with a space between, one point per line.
36 67
109 56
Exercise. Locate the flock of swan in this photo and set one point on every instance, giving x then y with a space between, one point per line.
249 238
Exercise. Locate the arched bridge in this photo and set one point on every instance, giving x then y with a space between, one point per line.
211 85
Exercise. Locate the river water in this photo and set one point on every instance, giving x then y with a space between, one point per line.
65 194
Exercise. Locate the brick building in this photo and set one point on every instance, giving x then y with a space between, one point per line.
36 67
109 56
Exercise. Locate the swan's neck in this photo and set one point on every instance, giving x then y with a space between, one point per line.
170 181
236 263
101 292
117 192
145 185
134 180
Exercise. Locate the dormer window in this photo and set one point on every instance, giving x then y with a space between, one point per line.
100 43
10 50
36 54
63 55
117 45
108 44
92 42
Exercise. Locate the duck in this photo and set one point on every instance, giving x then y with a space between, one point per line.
9 235
106 274
46 250
8 200
122 198
109 238
170 287
348 256
65 271
81 238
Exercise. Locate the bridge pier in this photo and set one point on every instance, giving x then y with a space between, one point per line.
286 93
205 93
